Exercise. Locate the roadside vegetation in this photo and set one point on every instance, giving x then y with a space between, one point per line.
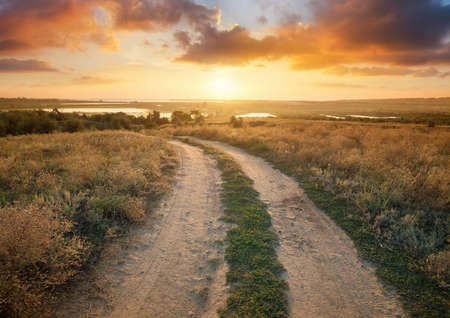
61 197
388 188
254 271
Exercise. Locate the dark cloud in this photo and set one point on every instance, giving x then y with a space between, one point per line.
156 14
400 32
23 66
182 38
398 24
12 45
262 20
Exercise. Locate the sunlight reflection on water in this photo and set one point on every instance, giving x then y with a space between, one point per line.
256 115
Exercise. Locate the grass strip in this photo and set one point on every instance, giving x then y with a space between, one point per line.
257 289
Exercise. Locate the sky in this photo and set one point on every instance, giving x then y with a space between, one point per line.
224 49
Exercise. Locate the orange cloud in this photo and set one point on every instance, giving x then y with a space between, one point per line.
26 25
25 66
74 24
94 80
386 71
401 32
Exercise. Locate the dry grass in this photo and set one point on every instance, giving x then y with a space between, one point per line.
397 179
61 196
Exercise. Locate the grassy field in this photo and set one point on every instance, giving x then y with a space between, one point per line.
434 111
61 197
387 187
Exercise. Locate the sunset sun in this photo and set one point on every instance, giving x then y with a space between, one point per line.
222 87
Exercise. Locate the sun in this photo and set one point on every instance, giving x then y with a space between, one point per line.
222 86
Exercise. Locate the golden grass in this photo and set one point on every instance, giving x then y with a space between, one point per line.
61 196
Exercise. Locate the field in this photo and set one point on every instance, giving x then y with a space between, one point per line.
434 111
392 183
66 189
61 197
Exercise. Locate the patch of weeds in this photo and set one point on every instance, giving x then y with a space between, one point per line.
257 289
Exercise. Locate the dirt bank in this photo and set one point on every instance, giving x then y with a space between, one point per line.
325 275
172 266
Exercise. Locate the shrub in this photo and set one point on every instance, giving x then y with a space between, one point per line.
39 251
61 197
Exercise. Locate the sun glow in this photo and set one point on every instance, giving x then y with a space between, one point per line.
222 87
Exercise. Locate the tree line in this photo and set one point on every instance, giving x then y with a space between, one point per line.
45 122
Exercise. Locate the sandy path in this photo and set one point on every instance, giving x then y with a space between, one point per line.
325 275
165 270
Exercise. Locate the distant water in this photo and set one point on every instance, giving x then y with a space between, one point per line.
95 103
331 116
358 116
371 117
129 101
100 110
256 115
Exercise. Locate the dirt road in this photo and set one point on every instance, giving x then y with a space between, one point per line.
171 267
325 275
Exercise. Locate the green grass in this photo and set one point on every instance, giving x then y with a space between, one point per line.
254 271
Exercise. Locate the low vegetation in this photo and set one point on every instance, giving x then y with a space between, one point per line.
61 197
254 271
387 187
44 122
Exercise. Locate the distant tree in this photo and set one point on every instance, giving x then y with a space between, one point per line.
197 116
236 122
72 125
180 118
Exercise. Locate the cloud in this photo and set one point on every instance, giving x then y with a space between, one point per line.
94 80
75 24
338 85
151 15
12 45
23 66
262 20
182 38
386 71
72 24
400 32
396 34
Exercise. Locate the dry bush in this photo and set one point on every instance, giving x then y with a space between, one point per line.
38 251
63 193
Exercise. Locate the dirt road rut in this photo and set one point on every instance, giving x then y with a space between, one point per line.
325 275
171 267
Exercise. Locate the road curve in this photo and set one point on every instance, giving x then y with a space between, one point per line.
325 274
